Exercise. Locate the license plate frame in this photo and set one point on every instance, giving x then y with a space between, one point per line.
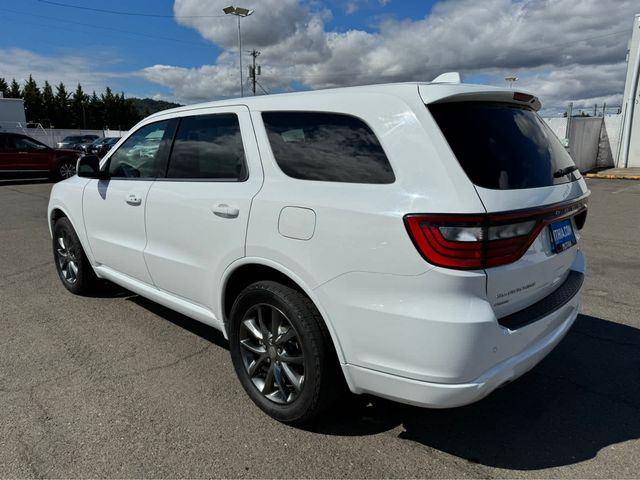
562 235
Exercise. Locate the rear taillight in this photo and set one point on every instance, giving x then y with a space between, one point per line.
481 241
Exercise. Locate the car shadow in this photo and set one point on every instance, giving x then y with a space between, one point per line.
197 328
585 396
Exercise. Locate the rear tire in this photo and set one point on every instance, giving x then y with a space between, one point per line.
72 265
282 353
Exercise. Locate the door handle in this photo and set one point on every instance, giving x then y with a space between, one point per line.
225 211
133 199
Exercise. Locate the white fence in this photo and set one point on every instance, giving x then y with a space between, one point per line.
592 140
51 136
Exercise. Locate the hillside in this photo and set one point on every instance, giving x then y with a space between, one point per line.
147 106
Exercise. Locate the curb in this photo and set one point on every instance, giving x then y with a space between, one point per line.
612 177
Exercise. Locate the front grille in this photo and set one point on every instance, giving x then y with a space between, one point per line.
549 304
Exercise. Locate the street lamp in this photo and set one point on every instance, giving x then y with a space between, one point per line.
238 12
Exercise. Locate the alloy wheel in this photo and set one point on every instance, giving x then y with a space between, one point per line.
67 170
272 353
68 258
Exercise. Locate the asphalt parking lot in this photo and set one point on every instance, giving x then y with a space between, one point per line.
117 386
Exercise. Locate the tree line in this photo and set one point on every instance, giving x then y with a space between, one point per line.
55 107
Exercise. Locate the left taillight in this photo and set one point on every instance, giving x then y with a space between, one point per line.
481 241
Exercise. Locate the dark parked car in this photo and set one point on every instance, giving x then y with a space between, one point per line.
101 147
75 142
85 148
22 154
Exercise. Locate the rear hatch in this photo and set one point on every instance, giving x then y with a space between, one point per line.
534 197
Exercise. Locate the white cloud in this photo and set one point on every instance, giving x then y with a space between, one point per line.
561 49
274 21
87 70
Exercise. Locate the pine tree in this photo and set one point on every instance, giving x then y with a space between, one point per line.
32 100
14 90
79 102
48 105
62 116
94 113
4 87
108 108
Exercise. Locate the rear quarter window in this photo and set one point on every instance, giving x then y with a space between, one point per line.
502 146
326 147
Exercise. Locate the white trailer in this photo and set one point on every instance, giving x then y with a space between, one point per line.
11 113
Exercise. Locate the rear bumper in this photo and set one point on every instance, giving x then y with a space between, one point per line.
440 395
433 340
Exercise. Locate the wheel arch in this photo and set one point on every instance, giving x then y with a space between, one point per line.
58 211
250 270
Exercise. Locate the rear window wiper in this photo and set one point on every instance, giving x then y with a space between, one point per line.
564 171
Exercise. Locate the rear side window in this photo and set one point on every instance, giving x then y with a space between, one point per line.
327 147
208 147
502 146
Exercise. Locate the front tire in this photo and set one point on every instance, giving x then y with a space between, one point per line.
282 353
72 265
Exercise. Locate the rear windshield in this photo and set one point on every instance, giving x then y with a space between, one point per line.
502 146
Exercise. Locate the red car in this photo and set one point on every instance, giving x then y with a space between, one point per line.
22 154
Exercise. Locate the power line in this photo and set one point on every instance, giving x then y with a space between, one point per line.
119 12
102 27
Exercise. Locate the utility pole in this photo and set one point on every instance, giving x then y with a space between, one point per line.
254 70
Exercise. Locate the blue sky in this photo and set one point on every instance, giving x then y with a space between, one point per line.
187 53
128 43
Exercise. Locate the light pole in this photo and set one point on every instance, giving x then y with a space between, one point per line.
238 12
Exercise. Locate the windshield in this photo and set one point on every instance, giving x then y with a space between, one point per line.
503 146
72 139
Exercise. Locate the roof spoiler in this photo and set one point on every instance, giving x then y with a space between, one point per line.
448 77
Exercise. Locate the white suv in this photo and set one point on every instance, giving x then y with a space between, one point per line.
413 241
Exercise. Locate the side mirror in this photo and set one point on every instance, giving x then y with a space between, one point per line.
89 167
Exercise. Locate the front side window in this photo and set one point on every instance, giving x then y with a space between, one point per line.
208 147
326 147
141 155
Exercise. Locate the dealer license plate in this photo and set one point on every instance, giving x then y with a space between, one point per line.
562 236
